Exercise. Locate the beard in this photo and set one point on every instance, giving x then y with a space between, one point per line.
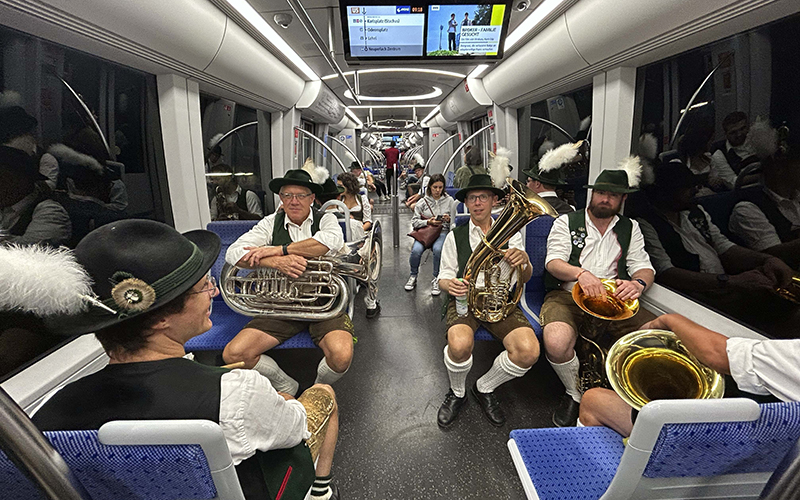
602 212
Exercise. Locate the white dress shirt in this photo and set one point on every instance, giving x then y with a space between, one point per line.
449 261
600 253
253 205
329 234
693 242
766 366
750 224
253 416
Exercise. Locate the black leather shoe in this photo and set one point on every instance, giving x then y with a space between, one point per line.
567 414
490 406
451 407
371 313
334 492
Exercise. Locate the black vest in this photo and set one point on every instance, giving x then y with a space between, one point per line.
671 240
280 234
241 200
560 206
783 226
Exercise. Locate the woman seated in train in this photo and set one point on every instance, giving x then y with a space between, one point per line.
762 367
157 293
473 164
437 210
360 208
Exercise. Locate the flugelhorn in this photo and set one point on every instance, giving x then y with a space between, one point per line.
488 274
654 364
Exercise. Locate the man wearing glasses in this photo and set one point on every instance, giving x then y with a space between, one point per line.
283 241
515 332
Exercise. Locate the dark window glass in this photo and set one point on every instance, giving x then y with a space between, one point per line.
718 128
93 156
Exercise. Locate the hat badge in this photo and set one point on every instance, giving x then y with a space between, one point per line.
133 295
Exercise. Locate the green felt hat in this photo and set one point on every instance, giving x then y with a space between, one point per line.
478 181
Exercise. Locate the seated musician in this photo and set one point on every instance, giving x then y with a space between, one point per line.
585 247
283 241
156 280
519 339
763 367
547 176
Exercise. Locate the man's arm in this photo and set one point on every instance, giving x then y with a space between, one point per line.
708 346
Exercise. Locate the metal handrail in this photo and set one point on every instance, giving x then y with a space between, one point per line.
555 126
322 143
428 164
363 173
463 144
694 97
231 132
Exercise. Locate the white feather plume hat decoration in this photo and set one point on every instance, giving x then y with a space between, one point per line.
419 159
318 174
763 139
53 282
558 157
633 168
214 140
499 167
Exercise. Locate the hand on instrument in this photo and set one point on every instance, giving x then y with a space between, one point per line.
628 290
591 284
754 279
290 265
458 288
255 254
516 257
777 271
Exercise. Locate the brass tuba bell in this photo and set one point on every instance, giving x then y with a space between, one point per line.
654 364
488 274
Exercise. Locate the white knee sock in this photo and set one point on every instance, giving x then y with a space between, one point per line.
579 423
568 374
370 303
458 373
502 370
280 380
326 375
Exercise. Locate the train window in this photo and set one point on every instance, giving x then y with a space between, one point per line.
720 210
235 164
553 122
81 146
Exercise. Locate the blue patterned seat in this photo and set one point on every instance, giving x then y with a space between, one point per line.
674 452
176 469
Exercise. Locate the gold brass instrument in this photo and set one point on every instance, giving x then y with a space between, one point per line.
792 290
321 292
488 274
599 313
654 364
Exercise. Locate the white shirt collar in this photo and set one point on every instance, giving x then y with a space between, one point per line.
287 221
551 194
473 226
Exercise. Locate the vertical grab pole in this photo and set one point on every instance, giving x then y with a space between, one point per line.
396 208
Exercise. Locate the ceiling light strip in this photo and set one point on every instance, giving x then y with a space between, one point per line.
398 70
393 106
430 115
436 93
260 24
478 71
538 15
359 123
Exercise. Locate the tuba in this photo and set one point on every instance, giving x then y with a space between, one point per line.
593 343
322 292
654 364
488 274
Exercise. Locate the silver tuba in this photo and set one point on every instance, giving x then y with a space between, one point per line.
322 292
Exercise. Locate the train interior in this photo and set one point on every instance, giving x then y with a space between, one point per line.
176 95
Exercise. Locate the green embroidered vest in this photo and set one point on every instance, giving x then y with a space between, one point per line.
280 234
577 232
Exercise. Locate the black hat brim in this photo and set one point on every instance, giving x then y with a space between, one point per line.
461 194
97 319
611 188
544 180
275 185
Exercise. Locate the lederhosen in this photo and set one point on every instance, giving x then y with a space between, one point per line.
170 389
577 230
280 234
782 225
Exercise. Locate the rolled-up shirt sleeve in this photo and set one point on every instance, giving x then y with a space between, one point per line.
449 260
330 234
655 250
750 224
259 236
765 366
254 417
637 258
366 208
559 245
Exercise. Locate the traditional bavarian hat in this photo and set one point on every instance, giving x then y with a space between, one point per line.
549 169
625 179
310 176
476 182
137 266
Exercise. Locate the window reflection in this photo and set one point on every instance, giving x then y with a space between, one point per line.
720 210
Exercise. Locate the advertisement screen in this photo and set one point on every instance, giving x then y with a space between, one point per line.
464 30
385 30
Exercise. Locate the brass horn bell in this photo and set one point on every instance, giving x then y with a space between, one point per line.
607 306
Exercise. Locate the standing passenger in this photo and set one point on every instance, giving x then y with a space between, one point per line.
392 155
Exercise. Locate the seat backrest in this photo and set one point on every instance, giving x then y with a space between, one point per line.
536 233
228 232
115 472
449 180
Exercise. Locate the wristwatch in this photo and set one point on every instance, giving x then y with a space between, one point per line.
723 279
285 249
641 282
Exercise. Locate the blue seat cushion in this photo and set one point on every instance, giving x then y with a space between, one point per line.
576 463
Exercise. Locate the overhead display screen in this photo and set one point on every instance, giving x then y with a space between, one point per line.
385 30
457 30
423 30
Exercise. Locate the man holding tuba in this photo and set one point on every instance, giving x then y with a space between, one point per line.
763 367
283 241
519 339
585 247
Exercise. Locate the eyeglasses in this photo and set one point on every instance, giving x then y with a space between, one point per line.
211 286
289 196
475 197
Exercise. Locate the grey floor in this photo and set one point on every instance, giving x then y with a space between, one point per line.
390 446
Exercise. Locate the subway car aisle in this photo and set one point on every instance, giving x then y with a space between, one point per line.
390 446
